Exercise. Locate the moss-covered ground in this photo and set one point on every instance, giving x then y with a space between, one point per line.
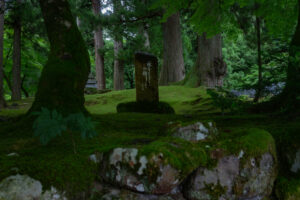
57 164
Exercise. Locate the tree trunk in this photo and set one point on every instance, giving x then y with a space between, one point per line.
2 8
99 44
259 62
290 97
210 68
64 76
146 37
173 63
16 70
118 66
118 46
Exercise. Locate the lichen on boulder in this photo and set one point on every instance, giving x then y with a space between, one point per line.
248 173
198 131
155 168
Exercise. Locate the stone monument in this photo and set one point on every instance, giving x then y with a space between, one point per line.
146 77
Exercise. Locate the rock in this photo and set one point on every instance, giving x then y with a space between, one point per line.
22 187
96 158
53 194
110 193
125 168
294 161
196 132
233 179
12 154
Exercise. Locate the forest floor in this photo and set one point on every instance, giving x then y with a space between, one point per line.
57 164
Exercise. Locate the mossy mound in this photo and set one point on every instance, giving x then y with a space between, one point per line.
145 107
287 188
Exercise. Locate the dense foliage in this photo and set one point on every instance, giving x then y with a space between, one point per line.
235 20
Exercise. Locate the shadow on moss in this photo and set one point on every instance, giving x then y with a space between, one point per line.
145 107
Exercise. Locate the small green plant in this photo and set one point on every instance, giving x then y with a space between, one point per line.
225 100
50 124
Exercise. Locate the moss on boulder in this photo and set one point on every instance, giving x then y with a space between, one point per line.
155 168
246 168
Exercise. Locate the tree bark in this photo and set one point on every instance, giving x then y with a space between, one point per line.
290 97
64 76
2 8
173 64
118 46
259 62
16 70
99 44
146 37
210 68
118 66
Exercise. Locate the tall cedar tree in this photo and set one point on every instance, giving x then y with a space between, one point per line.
16 70
99 44
2 9
210 68
64 76
173 63
118 46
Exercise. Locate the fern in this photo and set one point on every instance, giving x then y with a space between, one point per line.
79 123
50 124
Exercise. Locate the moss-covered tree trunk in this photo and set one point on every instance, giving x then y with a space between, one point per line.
64 76
173 64
2 5
16 69
99 44
290 97
210 68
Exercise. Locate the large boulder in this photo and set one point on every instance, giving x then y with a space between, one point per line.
140 173
22 187
247 175
155 168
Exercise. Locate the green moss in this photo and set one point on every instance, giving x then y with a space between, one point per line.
180 154
215 191
254 142
287 188
183 99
